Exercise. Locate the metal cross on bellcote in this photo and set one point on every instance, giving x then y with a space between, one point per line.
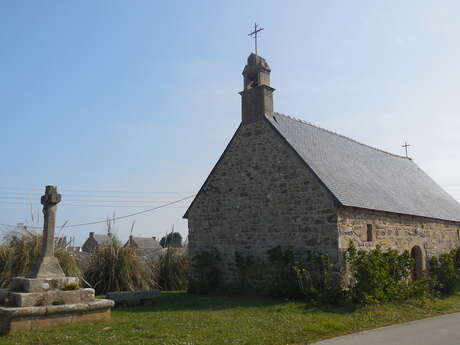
257 29
406 145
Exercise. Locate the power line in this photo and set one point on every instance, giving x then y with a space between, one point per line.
7 204
115 218
88 192
7 198
89 203
94 197
63 189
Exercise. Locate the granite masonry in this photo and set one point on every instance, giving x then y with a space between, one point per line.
424 237
284 182
259 197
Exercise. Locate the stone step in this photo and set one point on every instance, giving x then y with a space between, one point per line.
54 297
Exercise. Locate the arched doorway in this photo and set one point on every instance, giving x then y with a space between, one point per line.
417 266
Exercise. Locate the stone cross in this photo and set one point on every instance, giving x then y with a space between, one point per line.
47 265
49 202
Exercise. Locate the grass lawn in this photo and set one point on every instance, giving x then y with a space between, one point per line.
181 319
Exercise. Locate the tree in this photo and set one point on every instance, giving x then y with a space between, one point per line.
173 239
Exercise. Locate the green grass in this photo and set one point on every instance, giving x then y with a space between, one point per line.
182 319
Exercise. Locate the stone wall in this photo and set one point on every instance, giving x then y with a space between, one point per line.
397 231
261 195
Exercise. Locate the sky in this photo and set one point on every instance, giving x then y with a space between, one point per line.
127 105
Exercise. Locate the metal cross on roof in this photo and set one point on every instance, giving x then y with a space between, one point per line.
257 29
406 145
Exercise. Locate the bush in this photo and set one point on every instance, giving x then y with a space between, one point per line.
282 280
382 276
4 255
317 281
312 278
20 253
207 273
173 239
116 268
71 286
170 269
245 265
445 273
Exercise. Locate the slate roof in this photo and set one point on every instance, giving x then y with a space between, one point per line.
103 240
362 176
146 243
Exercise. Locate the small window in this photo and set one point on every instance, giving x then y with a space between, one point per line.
370 233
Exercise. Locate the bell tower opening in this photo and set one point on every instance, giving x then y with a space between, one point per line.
256 72
257 96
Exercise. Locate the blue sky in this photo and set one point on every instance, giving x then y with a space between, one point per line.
126 105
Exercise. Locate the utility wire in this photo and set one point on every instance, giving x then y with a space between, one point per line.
115 218
5 198
21 190
7 205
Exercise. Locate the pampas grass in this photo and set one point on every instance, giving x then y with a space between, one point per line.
116 268
171 269
20 252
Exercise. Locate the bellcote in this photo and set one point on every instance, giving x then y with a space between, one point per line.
256 72
257 96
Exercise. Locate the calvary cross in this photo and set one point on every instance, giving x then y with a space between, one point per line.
257 29
47 265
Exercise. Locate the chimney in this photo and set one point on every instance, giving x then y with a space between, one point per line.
91 235
154 238
257 96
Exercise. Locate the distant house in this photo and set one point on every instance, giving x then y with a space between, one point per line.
74 249
95 240
61 242
144 246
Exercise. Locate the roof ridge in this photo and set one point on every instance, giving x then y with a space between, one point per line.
341 135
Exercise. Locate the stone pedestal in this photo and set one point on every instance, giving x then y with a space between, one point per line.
29 318
34 303
22 284
46 297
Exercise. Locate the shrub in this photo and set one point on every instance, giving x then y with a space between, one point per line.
22 250
282 280
116 268
311 278
170 269
382 276
71 286
445 273
207 273
457 259
173 239
4 255
245 264
317 282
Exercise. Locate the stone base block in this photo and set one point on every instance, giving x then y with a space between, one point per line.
30 318
124 298
22 284
46 266
133 295
39 299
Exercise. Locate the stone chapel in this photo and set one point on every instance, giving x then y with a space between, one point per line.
285 182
